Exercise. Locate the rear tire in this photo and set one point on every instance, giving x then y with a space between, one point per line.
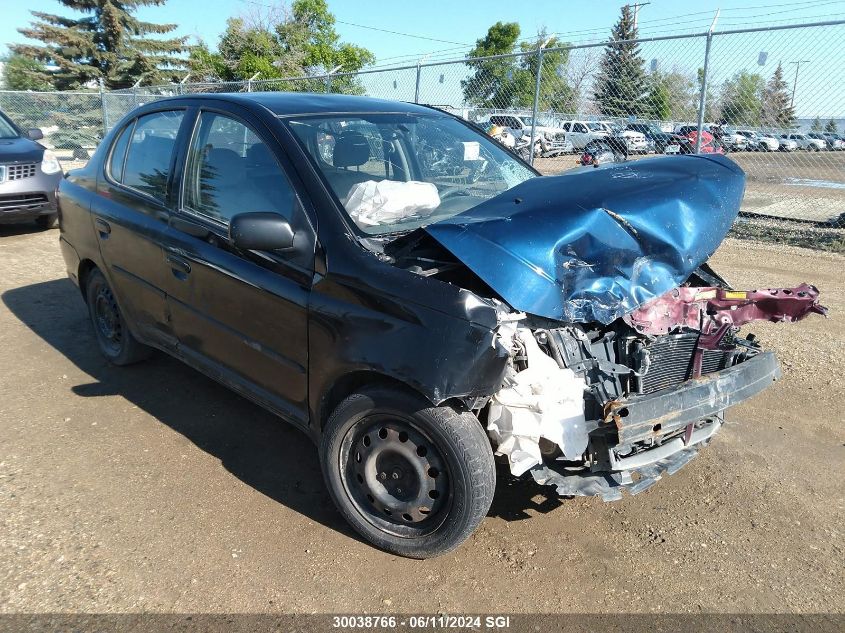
114 339
412 479
47 221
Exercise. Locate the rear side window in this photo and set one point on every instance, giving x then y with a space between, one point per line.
118 153
147 165
231 170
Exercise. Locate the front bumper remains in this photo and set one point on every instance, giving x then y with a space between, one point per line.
641 417
696 405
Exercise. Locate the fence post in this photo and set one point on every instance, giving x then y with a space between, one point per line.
702 99
417 85
103 107
328 83
536 102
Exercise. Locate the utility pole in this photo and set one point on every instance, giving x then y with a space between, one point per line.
795 83
637 6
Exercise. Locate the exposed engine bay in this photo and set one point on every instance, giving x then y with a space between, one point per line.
595 409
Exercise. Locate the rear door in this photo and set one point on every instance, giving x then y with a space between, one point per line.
130 215
241 316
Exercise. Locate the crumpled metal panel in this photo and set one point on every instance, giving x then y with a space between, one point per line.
594 245
691 306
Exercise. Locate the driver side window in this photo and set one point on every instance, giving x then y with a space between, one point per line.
231 170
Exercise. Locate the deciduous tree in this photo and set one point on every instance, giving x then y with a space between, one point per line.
742 99
284 43
511 81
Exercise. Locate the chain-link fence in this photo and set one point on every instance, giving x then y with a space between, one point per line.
772 98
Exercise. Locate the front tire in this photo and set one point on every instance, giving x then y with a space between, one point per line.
114 339
45 222
413 479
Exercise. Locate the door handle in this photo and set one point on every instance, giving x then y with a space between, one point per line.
103 227
181 268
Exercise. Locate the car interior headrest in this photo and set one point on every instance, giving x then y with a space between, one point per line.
351 149
226 163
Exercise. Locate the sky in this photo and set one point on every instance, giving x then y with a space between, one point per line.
452 27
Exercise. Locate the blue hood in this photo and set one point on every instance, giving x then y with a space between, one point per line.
594 245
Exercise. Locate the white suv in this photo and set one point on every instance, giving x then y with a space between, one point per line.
582 132
635 141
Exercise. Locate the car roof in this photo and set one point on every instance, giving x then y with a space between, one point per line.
293 103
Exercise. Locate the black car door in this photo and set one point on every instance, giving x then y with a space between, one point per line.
241 316
130 215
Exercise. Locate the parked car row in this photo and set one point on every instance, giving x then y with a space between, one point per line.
554 138
736 139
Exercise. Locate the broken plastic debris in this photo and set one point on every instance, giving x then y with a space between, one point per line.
543 400
383 202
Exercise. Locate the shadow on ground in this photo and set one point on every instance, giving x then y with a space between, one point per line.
254 445
257 447
25 228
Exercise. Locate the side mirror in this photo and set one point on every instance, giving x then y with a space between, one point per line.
261 231
34 134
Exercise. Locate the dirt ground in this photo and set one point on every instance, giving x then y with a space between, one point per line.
152 488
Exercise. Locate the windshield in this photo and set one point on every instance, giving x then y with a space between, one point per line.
397 172
596 126
7 130
527 120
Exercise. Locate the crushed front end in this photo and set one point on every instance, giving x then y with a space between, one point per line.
597 409
627 349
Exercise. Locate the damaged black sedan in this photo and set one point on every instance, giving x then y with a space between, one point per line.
420 301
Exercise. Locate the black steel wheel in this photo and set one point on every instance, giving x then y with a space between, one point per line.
395 475
113 336
413 479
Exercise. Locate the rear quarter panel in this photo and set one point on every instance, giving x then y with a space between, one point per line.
77 239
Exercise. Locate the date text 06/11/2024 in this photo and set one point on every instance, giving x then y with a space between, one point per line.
440 621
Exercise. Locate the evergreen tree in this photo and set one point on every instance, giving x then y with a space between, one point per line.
107 42
621 88
817 125
831 127
23 73
777 112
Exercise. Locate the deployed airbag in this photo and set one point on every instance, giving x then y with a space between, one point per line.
595 245
375 202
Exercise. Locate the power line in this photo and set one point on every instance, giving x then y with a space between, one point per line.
419 37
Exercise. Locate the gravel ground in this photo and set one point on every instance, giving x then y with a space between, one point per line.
152 488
